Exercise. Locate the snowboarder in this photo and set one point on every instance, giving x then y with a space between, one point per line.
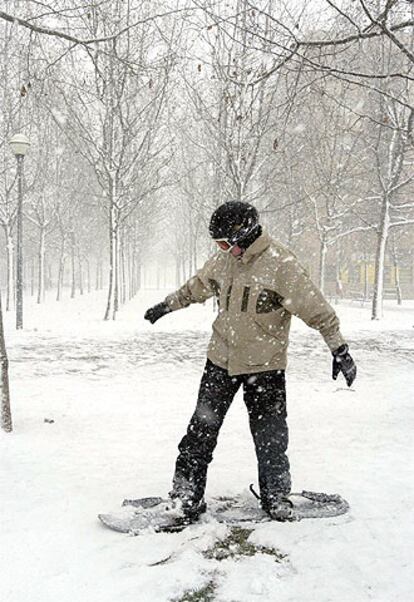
259 285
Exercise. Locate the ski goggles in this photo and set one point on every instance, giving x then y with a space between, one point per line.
224 244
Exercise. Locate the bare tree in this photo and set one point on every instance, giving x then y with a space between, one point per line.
232 116
394 175
8 120
115 112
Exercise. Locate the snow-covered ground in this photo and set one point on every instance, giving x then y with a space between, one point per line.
120 395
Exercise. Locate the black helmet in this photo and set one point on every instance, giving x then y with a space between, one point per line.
235 222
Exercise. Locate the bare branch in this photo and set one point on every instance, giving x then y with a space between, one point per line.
86 42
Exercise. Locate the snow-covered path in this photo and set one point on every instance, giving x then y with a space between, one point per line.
120 396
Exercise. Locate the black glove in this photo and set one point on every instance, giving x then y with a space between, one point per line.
158 311
343 362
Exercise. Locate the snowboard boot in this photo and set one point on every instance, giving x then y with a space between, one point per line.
279 509
184 498
192 511
189 511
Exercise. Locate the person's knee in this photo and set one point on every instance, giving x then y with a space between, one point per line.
208 419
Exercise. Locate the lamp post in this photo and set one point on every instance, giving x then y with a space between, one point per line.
19 144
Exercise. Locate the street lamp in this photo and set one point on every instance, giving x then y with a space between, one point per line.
19 144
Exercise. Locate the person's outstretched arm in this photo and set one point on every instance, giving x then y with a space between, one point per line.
303 298
197 289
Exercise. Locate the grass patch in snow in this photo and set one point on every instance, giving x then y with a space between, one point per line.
236 545
205 594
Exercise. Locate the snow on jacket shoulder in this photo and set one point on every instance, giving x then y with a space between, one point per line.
257 296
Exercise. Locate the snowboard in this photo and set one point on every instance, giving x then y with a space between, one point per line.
158 514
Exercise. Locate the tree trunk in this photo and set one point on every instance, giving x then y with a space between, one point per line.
136 272
195 259
190 245
72 258
80 270
396 270
366 278
111 263
177 271
41 266
49 280
382 236
88 274
129 271
397 284
322 264
116 274
139 274
32 277
183 268
339 291
112 186
61 273
6 417
97 274
123 271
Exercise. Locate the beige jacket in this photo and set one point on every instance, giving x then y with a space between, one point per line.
257 295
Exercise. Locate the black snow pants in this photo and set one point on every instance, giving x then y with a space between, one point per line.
265 398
